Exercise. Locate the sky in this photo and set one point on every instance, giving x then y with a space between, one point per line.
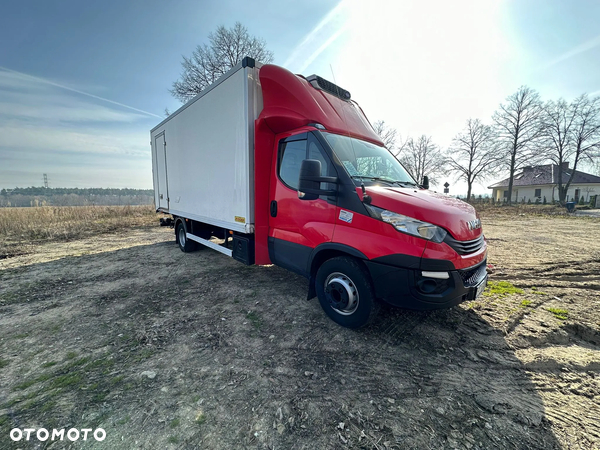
82 83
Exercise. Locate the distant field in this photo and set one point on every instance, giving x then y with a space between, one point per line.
40 196
20 228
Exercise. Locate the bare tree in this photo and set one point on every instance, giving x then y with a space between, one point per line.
422 157
558 120
472 154
518 129
595 165
386 133
228 46
585 134
589 192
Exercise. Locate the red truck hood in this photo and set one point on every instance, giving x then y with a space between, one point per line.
449 213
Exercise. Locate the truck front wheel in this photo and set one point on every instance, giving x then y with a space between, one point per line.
185 244
345 292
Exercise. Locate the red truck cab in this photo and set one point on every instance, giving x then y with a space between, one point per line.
334 205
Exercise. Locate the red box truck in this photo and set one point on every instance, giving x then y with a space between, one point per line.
270 167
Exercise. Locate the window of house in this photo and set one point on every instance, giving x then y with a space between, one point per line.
538 193
505 194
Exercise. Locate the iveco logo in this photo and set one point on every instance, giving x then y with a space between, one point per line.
474 224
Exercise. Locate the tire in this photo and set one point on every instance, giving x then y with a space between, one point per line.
186 245
345 292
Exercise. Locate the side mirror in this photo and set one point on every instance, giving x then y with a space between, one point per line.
309 182
425 183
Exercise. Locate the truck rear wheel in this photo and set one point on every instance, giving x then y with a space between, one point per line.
185 244
345 292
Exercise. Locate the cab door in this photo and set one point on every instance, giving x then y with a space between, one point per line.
297 226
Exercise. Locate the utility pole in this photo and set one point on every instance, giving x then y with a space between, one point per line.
46 180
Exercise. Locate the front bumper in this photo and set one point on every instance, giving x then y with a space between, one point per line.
406 287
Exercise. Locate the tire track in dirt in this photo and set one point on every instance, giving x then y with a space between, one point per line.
562 356
577 272
435 379
554 325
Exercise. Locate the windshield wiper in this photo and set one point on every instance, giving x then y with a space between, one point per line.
366 177
405 183
385 180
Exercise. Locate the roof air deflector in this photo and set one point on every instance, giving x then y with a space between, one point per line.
327 86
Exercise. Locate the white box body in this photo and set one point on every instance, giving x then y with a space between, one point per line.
203 153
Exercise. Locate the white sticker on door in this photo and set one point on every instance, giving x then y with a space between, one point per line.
346 216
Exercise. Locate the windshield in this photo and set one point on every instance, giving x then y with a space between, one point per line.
365 161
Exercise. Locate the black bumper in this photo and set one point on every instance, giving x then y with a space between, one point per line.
406 287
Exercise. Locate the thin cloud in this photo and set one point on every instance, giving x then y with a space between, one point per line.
23 99
323 28
581 48
77 91
61 111
322 48
25 139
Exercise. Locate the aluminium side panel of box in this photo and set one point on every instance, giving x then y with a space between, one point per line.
209 153
254 107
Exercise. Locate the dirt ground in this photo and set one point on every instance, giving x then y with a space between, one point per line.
170 350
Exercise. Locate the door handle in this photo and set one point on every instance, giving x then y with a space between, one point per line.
273 208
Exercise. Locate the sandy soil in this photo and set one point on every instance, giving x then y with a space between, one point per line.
170 350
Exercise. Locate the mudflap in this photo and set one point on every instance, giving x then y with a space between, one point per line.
312 292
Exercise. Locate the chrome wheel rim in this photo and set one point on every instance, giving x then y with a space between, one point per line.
341 293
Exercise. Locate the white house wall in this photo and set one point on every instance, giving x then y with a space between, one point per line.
548 191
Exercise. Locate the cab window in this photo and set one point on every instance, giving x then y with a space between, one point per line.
291 156
315 152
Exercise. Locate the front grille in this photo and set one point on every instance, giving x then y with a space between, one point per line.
473 276
464 247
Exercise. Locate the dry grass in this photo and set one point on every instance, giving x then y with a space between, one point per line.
21 227
517 209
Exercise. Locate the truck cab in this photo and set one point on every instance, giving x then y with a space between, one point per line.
344 213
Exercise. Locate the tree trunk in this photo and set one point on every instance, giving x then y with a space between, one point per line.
568 184
562 195
512 176
562 192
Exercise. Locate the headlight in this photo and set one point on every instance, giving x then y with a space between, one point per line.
408 225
